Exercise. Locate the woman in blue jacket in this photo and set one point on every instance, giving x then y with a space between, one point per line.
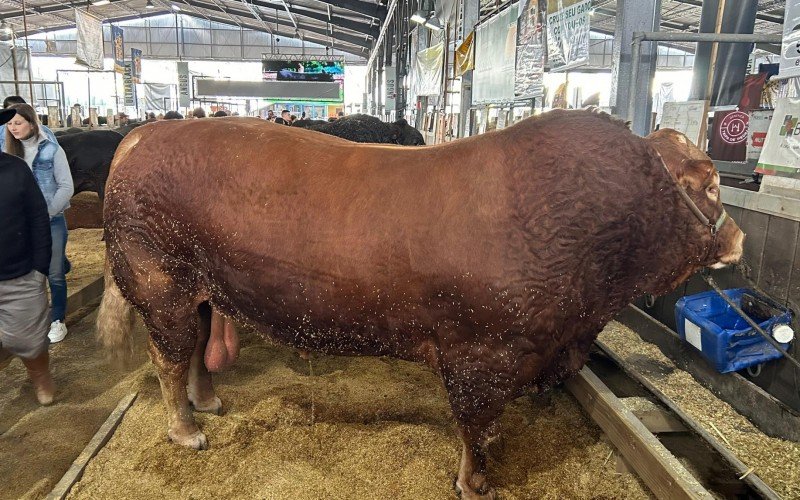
25 139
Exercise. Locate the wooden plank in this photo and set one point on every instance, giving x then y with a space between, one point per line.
752 479
768 414
653 463
85 295
101 437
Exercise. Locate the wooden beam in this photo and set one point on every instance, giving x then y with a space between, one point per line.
101 437
85 295
653 463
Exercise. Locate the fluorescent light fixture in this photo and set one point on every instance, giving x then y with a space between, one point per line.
419 16
149 5
98 3
176 8
434 23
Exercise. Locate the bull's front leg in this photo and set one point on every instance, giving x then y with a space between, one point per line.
471 481
172 376
200 388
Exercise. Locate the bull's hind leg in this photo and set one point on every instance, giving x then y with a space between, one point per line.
200 388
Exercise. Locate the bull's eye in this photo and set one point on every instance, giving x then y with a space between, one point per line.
713 191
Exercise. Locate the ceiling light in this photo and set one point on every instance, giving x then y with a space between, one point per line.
434 23
176 8
149 5
98 3
419 16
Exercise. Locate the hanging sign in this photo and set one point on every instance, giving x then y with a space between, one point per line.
129 89
136 69
568 33
781 151
89 50
390 73
465 55
183 84
790 48
529 73
118 48
729 138
757 132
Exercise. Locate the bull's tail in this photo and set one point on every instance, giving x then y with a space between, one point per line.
115 321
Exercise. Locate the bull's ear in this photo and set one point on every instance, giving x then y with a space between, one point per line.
401 122
693 173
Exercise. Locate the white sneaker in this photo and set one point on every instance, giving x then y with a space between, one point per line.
58 331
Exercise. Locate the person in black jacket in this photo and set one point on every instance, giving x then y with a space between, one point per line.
24 265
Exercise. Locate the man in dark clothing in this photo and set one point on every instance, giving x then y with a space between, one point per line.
285 118
24 265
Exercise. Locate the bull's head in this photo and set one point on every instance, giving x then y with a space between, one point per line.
695 173
406 135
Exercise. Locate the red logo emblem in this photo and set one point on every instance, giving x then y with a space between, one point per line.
758 139
733 128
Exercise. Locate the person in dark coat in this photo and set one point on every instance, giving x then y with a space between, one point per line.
25 255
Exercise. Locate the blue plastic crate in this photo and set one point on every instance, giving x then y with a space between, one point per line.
708 323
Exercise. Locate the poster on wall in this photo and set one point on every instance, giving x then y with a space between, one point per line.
390 75
568 33
89 50
790 46
118 47
136 68
757 132
529 73
781 152
687 117
428 71
183 84
729 137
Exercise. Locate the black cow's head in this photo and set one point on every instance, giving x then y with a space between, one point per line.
406 135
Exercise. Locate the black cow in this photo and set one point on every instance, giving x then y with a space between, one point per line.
126 129
366 128
71 130
89 155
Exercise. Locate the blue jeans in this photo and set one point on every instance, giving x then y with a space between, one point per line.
59 267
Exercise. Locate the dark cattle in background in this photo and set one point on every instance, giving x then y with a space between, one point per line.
495 260
308 123
370 129
71 130
89 155
126 129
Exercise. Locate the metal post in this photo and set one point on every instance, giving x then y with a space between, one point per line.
702 54
470 19
634 16
14 66
27 50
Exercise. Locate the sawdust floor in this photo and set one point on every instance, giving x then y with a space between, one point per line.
356 428
86 253
38 444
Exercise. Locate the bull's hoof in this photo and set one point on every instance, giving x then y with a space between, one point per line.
483 493
211 406
196 440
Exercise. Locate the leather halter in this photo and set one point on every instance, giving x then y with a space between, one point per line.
713 227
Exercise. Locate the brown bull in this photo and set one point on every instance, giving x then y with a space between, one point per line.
495 260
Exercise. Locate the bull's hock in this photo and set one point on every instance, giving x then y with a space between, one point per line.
777 196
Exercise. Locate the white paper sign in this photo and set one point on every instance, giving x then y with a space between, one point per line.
686 117
693 334
757 132
89 40
781 151
790 48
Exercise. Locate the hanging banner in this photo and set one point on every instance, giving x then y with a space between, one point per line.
129 89
136 68
390 74
529 74
428 71
781 153
89 40
790 48
568 33
118 46
757 132
465 55
729 137
183 84
495 57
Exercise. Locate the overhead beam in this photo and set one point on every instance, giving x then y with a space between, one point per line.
35 31
344 37
48 9
343 46
374 10
342 22
761 17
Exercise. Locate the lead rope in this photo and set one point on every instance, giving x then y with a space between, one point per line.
713 284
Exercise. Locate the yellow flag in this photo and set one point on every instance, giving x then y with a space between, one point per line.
465 55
